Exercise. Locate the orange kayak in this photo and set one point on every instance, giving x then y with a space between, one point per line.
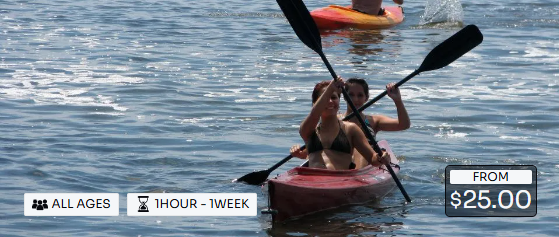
304 190
337 17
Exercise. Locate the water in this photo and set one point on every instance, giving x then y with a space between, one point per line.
184 96
442 11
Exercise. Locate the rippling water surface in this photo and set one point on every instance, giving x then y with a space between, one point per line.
184 96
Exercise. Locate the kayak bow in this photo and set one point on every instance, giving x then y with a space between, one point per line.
302 190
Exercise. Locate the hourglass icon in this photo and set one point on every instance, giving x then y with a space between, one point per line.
143 206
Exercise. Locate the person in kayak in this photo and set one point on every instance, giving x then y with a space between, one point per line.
330 141
371 7
358 91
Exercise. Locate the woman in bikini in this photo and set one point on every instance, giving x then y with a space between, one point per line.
358 91
330 141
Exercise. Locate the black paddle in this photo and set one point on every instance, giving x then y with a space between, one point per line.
304 26
442 55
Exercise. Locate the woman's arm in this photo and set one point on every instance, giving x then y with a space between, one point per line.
309 123
360 143
385 123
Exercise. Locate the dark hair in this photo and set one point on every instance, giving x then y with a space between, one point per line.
358 81
317 88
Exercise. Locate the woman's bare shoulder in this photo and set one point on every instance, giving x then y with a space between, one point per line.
351 127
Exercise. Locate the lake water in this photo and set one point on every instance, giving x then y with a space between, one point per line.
184 96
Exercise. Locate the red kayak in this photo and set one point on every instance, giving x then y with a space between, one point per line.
302 190
336 17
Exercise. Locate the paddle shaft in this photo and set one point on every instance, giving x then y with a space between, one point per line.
368 133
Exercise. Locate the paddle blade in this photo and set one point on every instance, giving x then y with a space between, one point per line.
302 23
254 178
452 48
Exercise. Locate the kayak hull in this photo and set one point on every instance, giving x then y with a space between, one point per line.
303 190
337 17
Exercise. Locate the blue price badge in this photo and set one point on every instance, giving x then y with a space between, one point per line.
491 190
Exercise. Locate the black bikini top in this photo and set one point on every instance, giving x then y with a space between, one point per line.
340 143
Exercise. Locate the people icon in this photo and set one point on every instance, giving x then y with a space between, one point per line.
45 205
40 204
